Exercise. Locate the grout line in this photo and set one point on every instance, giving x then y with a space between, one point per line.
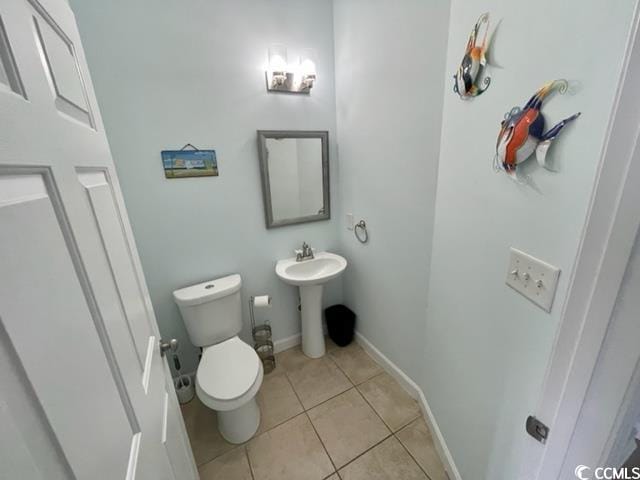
411 455
376 375
203 463
404 425
366 379
286 373
364 452
335 470
393 433
375 411
325 401
276 426
305 410
246 452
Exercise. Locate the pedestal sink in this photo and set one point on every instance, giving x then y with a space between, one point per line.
310 276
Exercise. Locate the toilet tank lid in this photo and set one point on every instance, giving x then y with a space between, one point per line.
207 291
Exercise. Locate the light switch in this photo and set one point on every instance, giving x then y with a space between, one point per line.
533 278
349 221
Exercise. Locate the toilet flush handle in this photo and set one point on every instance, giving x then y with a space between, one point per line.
171 345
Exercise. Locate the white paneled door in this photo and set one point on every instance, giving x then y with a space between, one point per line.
84 391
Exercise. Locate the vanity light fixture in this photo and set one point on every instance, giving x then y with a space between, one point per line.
298 77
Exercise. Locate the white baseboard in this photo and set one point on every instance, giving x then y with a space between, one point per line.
292 341
391 368
287 343
416 392
407 383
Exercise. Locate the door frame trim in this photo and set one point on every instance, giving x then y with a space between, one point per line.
607 238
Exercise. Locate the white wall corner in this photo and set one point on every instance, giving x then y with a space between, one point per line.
416 392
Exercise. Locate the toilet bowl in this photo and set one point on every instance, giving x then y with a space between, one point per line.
227 381
230 372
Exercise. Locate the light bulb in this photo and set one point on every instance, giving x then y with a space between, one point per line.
278 64
308 68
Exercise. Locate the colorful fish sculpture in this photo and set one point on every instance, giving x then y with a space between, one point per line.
522 132
469 81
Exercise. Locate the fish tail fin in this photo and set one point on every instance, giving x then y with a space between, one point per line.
561 85
488 45
484 18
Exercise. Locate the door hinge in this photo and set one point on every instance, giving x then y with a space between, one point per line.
537 429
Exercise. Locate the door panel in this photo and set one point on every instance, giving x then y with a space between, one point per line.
45 311
59 61
89 397
9 77
109 225
28 447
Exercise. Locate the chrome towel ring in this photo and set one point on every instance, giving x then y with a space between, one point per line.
360 231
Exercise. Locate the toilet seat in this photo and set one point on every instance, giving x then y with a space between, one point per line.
229 374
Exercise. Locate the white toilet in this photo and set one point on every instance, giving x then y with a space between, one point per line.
230 372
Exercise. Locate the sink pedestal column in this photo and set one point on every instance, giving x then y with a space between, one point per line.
311 312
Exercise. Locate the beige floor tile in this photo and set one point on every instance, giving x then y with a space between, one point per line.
334 477
291 359
418 440
347 426
317 380
329 344
230 466
387 461
291 450
278 402
389 399
202 427
355 362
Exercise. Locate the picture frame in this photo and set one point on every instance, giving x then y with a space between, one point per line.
189 163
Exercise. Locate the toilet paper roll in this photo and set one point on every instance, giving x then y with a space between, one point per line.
262 301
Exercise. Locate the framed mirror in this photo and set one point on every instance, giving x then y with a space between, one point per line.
294 166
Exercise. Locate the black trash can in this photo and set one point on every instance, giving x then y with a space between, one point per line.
341 323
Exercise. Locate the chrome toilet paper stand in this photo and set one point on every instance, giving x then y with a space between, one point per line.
262 340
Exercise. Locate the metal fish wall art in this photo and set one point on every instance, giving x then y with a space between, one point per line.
522 131
470 79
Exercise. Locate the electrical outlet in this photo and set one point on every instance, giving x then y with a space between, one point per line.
533 278
349 219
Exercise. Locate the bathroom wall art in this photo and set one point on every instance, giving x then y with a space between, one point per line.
522 131
471 80
189 163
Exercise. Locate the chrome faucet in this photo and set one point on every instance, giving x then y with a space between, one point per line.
305 254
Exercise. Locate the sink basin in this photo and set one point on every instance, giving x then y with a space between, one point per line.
324 267
310 276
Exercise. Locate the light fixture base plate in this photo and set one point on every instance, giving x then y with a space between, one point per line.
288 86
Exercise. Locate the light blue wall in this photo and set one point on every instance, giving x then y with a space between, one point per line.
486 346
389 63
169 72
415 163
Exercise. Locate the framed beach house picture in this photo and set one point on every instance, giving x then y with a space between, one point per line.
189 163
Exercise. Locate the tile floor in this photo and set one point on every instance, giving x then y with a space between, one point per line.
340 417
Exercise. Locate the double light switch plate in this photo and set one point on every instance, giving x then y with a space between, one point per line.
533 278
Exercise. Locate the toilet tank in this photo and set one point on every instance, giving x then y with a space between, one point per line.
212 310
